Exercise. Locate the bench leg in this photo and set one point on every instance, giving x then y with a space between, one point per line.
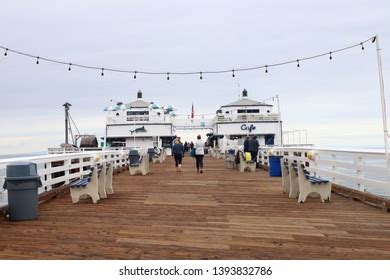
302 196
74 196
95 198
253 168
102 190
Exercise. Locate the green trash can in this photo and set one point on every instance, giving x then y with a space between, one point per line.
22 182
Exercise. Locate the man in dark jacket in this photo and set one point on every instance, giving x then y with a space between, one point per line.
246 145
254 148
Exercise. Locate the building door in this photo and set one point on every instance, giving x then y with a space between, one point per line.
269 139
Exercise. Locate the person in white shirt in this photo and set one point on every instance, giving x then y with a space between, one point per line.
199 154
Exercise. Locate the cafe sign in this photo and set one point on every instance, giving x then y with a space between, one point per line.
248 128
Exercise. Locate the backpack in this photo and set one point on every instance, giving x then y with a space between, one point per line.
192 153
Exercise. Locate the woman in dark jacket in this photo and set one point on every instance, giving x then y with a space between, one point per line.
246 145
254 148
178 151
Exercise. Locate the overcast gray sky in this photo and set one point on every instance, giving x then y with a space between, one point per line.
338 101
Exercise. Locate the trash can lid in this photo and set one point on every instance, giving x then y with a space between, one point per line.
21 169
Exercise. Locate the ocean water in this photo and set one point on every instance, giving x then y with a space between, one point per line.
22 155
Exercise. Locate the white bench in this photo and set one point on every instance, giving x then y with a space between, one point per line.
159 158
85 186
293 178
311 184
243 165
219 154
138 163
96 185
109 175
230 158
102 180
285 175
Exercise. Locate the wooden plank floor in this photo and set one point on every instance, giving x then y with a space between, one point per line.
221 214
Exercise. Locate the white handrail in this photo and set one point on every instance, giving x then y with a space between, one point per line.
358 169
60 169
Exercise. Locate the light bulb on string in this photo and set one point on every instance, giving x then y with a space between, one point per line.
70 67
200 77
361 44
330 56
6 52
37 60
102 72
298 65
233 75
135 75
266 69
167 75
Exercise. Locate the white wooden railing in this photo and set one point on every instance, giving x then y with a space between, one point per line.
363 170
246 117
59 169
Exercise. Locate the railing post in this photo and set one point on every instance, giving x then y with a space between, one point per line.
67 164
48 178
358 161
334 167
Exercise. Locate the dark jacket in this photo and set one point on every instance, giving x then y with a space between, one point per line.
253 145
177 149
246 145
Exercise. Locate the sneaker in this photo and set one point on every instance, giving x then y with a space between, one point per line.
201 171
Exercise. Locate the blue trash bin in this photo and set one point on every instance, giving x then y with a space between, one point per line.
274 166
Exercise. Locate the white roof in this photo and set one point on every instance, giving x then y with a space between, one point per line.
139 103
245 102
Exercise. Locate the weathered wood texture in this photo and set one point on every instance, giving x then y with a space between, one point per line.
221 214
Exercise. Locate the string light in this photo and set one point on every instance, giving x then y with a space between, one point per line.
232 71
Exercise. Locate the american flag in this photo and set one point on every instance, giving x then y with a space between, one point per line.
192 112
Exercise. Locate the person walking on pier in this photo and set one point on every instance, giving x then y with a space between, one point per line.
253 148
199 154
178 152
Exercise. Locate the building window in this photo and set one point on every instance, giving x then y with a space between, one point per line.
248 111
137 113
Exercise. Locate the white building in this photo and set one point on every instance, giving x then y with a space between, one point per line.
140 124
247 117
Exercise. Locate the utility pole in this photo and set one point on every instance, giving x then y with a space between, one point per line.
383 99
67 106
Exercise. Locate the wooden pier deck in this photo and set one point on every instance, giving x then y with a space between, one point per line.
221 214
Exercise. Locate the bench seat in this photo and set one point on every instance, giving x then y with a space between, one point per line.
80 183
316 180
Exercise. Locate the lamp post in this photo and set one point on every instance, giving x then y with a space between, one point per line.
279 120
67 106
